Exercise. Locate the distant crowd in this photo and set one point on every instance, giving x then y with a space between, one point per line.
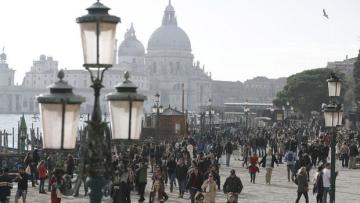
192 165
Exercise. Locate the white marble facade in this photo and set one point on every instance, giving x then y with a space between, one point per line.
167 67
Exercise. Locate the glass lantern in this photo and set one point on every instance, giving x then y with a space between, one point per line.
98 30
334 85
333 115
60 115
126 108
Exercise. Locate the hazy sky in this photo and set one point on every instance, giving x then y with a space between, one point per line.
235 39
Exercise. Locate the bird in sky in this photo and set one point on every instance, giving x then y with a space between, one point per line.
325 14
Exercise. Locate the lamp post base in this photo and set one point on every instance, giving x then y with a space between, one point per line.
96 184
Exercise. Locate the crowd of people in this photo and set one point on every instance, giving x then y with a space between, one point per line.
193 164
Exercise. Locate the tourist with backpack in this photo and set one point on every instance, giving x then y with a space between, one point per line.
290 159
233 185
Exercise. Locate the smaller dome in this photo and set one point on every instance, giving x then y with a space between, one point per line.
131 46
3 56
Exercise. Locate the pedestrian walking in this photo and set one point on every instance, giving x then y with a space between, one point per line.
22 180
344 154
195 183
290 159
233 185
268 163
141 176
352 155
228 151
209 188
157 194
171 166
318 188
57 184
5 186
326 173
302 183
246 152
181 174
253 168
42 173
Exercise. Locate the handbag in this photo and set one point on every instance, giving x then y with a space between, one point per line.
28 170
58 193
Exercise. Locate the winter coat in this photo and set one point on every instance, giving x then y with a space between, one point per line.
353 150
233 184
209 188
181 172
301 181
228 148
263 161
42 171
195 181
141 174
5 186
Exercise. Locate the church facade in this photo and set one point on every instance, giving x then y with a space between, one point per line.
166 67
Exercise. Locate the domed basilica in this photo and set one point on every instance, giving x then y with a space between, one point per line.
168 64
167 67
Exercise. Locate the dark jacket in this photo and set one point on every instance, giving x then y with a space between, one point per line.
181 172
228 148
353 150
232 184
301 181
318 185
196 181
22 181
171 165
5 186
263 161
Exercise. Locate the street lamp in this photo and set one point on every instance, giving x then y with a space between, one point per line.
333 117
210 115
246 111
157 108
62 108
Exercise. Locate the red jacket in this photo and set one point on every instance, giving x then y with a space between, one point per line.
42 171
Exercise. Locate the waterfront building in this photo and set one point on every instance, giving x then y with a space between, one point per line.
166 67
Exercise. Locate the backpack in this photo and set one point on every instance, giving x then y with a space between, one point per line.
290 157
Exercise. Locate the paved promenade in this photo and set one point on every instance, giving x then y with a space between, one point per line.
280 190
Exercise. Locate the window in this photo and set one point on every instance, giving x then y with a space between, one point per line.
154 67
25 103
177 128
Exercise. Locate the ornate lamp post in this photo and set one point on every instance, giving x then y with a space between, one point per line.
210 113
286 109
246 112
98 30
157 108
333 117
98 40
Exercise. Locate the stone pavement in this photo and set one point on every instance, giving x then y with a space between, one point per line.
280 190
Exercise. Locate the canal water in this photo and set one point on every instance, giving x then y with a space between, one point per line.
10 121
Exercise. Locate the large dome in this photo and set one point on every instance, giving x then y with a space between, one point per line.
131 46
169 36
